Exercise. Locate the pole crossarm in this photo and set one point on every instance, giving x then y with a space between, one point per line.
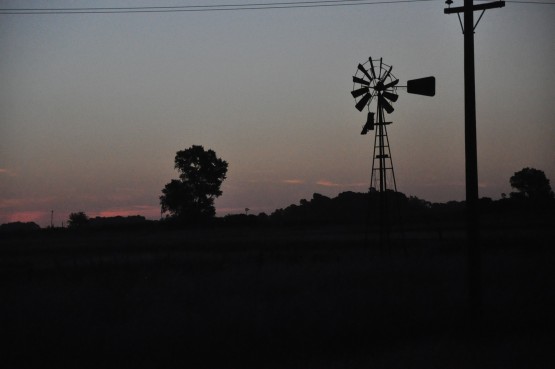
460 9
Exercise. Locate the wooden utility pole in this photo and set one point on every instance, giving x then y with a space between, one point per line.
471 156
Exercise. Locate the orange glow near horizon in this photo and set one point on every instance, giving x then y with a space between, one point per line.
144 210
26 216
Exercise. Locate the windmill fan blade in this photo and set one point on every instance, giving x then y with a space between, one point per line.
361 68
387 74
386 105
360 91
390 96
380 76
390 84
422 86
361 81
362 102
372 67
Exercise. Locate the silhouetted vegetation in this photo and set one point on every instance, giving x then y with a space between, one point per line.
532 185
535 197
362 208
117 221
77 220
190 199
81 221
19 227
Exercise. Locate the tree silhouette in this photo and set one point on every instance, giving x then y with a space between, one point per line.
531 184
19 227
77 220
191 197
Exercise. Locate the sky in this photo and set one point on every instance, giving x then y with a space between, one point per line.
93 107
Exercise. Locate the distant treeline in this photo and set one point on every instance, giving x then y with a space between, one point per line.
361 208
347 208
89 223
19 227
117 221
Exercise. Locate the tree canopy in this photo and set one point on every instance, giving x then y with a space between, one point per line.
77 220
531 184
191 197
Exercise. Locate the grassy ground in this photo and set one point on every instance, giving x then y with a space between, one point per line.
274 298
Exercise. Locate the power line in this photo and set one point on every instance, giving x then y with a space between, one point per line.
187 6
203 8
223 7
531 2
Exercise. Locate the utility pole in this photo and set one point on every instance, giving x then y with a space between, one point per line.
471 156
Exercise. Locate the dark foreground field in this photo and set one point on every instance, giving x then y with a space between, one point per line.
274 298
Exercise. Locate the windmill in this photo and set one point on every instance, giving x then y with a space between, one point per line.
373 82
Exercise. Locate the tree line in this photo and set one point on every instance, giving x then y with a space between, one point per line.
189 200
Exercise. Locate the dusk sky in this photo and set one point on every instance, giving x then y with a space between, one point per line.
93 107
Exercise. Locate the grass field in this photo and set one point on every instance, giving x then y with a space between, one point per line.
274 298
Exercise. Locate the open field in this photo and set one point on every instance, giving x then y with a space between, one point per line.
274 298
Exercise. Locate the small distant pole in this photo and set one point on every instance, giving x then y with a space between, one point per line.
471 156
52 219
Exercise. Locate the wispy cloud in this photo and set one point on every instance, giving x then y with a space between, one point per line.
326 183
25 203
7 172
257 180
25 216
440 184
293 181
